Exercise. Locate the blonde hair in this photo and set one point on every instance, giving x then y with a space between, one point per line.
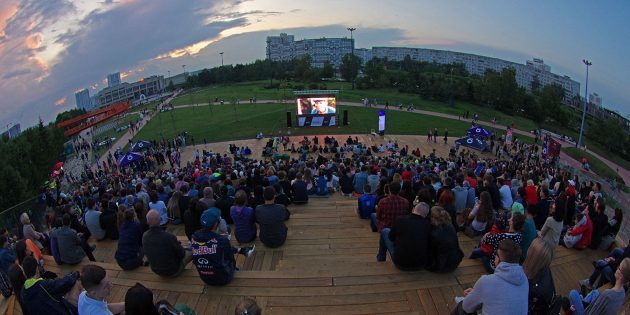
539 256
24 219
439 216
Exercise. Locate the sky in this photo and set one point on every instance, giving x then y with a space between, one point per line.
51 49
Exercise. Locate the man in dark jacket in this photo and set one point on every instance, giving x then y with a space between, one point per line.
407 240
166 255
270 217
600 222
46 296
71 247
212 253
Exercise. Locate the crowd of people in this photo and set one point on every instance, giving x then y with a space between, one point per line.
522 207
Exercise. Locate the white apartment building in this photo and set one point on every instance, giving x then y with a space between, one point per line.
475 64
131 91
321 50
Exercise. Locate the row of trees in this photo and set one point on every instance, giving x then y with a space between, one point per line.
26 161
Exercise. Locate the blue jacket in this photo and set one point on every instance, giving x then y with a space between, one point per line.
46 296
213 257
367 204
7 258
129 242
360 179
244 223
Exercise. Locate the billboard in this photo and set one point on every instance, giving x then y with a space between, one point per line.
316 105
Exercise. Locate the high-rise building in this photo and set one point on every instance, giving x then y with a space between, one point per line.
12 132
595 99
321 50
113 79
83 100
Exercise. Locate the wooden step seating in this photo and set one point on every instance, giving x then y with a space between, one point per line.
327 265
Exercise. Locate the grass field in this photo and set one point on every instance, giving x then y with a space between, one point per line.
112 133
244 91
220 123
597 166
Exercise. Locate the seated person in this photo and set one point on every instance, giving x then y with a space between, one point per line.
129 250
407 240
514 233
72 248
270 218
259 135
300 190
213 256
139 300
444 251
322 184
243 217
508 282
97 288
42 296
605 268
579 236
367 203
608 302
166 255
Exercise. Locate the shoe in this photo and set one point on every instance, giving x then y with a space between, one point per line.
458 299
92 248
247 251
381 258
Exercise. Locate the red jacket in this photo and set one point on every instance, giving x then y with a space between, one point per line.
531 196
586 230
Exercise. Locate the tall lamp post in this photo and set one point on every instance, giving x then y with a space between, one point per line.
221 53
580 139
352 29
270 63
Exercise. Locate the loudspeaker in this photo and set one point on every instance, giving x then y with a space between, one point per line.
345 117
288 119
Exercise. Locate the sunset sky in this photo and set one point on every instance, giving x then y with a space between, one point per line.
51 48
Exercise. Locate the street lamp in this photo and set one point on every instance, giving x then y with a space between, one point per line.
352 29
221 53
580 140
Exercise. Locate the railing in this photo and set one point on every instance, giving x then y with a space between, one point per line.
10 218
621 200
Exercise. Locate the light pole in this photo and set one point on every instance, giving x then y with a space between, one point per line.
270 64
352 29
221 53
580 143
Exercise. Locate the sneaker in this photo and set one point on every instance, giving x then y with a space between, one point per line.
458 299
381 258
248 251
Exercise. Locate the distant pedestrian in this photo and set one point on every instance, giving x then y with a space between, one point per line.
429 135
445 135
435 135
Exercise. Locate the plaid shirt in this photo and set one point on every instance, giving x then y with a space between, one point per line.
389 208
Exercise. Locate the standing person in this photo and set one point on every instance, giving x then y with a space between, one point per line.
98 286
212 254
40 296
435 135
608 302
445 135
407 240
270 218
389 208
429 133
508 282
166 255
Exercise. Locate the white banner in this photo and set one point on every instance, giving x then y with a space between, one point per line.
381 120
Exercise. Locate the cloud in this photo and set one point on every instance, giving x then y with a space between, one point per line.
118 38
61 101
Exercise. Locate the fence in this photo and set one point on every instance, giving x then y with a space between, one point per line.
10 218
610 192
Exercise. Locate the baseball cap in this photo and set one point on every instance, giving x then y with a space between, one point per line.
210 217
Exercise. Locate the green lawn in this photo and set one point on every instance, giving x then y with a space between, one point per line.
597 166
245 120
112 133
244 91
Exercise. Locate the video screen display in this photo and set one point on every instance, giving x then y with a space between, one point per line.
319 105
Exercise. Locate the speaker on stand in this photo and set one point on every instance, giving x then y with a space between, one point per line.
289 119
345 117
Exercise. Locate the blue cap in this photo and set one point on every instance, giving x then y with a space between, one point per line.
210 217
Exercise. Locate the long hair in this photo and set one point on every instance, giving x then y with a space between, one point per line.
539 256
173 203
439 216
485 207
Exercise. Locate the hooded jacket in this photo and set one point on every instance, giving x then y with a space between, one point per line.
508 282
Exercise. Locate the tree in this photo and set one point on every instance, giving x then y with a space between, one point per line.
551 100
69 114
535 85
349 68
328 71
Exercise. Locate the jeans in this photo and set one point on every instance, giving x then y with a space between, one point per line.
385 245
604 270
476 253
373 222
577 300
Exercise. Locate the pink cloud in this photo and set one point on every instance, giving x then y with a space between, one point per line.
61 101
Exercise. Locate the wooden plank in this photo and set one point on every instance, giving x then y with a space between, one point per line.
273 283
392 278
258 260
414 301
427 301
335 299
277 256
366 308
163 285
438 300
